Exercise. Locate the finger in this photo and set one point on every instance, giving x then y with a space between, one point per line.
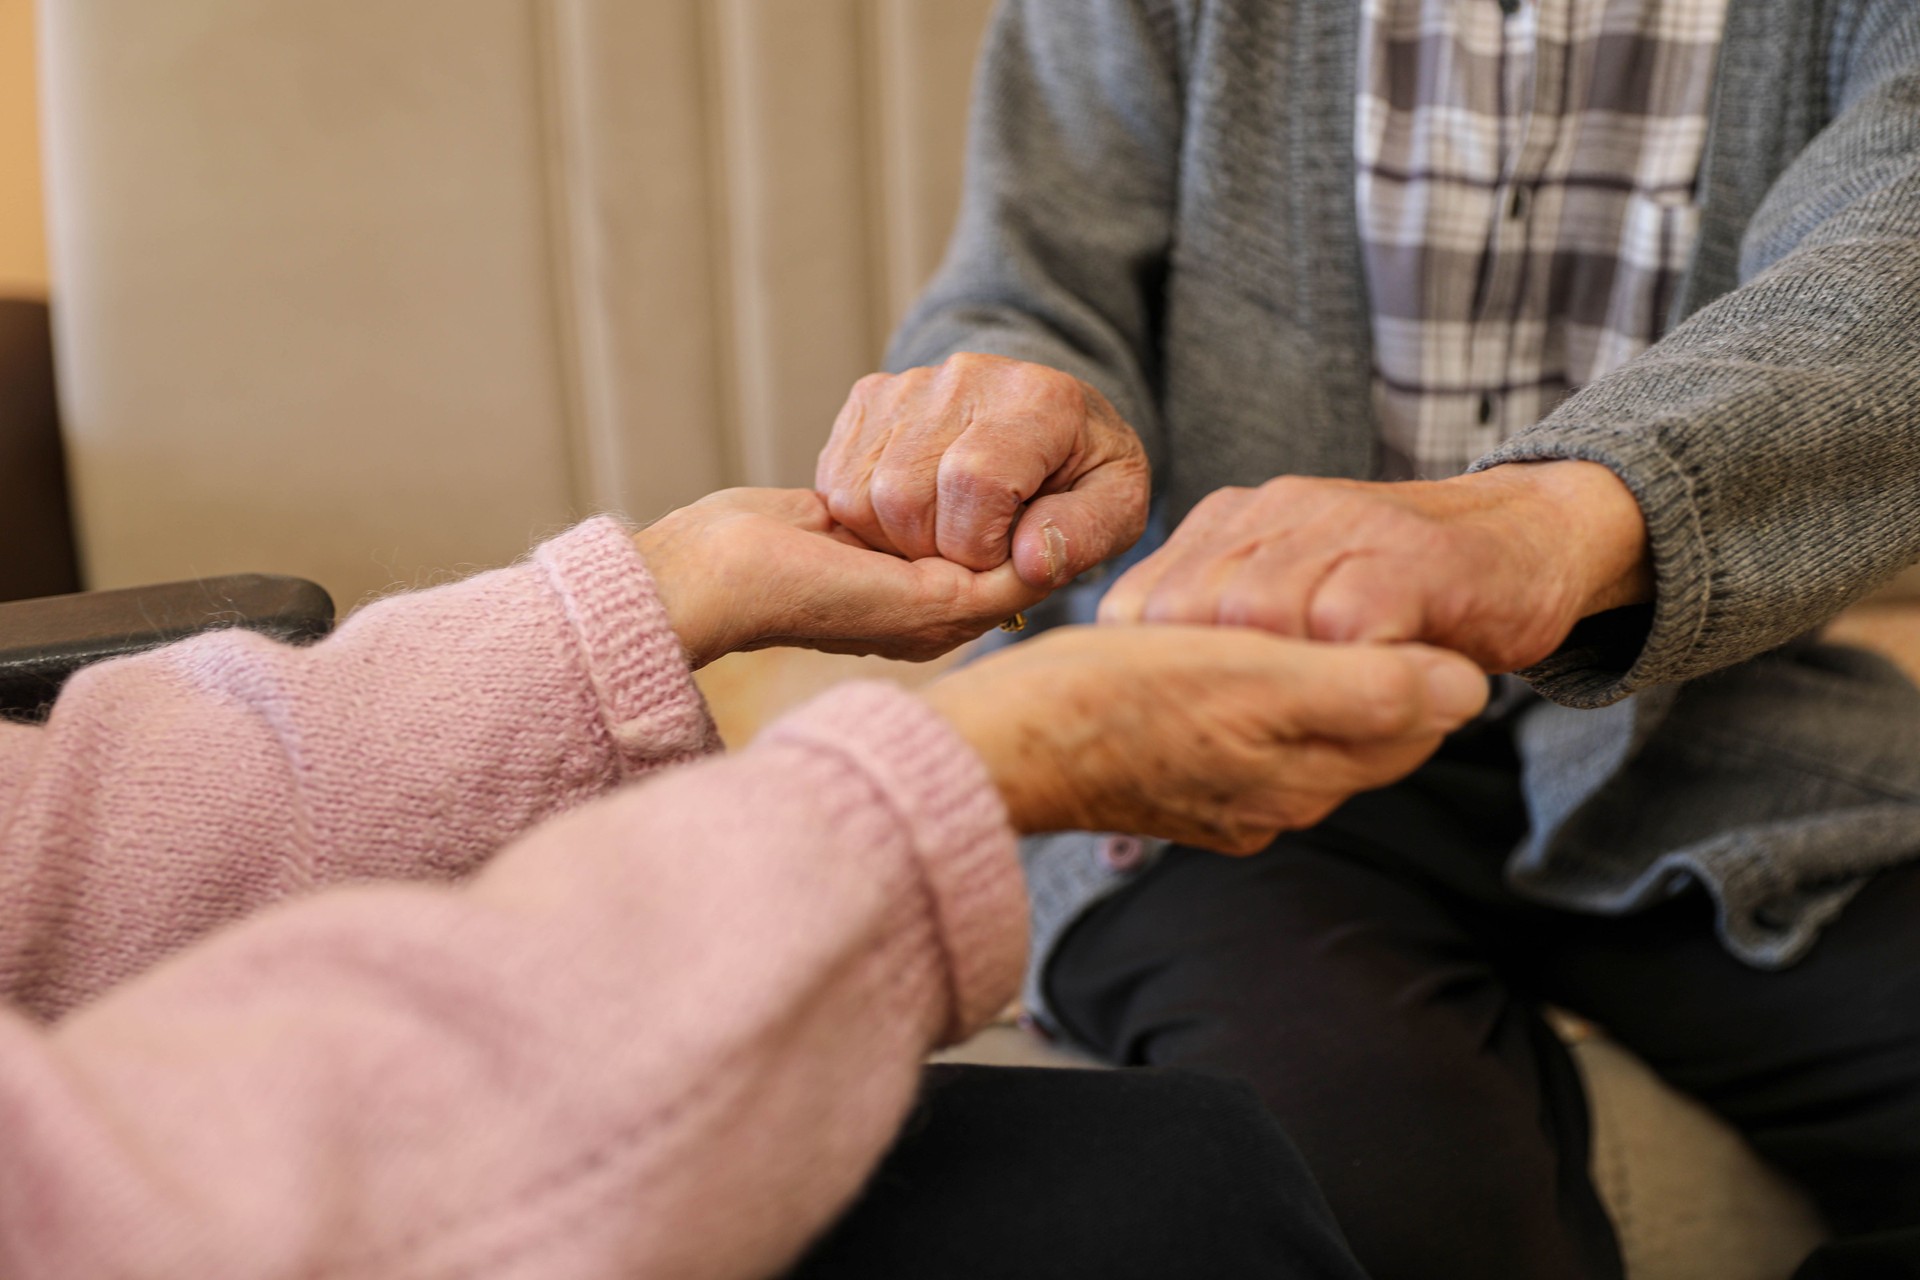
903 497
1328 775
846 462
1189 591
955 606
1324 776
1366 597
1276 584
986 477
960 597
1126 600
1332 773
1368 693
877 471
1302 540
930 602
1062 535
847 537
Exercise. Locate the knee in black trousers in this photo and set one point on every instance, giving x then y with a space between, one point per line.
1444 1120
1086 1175
1379 983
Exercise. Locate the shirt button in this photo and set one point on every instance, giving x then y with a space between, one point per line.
1521 204
1123 853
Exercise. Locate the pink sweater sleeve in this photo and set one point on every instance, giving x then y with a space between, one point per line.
178 791
665 1035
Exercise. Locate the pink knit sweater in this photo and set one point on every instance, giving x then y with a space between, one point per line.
663 1034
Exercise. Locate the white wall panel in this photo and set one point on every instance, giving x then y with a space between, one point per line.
638 234
794 93
305 299
362 289
925 53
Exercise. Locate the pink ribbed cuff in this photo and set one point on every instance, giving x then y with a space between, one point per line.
958 827
652 710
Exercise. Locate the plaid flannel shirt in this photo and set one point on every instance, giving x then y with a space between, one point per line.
1526 174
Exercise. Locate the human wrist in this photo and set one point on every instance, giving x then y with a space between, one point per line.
988 726
1586 520
680 586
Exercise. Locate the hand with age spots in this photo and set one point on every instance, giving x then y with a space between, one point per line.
1216 737
1498 565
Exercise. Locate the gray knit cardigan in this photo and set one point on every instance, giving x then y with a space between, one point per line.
1160 200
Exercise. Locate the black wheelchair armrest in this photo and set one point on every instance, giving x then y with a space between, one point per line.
42 642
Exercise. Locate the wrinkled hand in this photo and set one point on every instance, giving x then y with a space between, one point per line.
983 460
1210 736
1498 566
755 568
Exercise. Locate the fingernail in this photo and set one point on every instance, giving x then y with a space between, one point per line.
1055 553
1456 690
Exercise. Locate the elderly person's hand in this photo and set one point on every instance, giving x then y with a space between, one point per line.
983 460
1499 565
754 568
1216 737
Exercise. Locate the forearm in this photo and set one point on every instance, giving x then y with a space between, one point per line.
1770 440
667 1034
177 791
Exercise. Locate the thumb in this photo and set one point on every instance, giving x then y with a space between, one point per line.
1062 535
1372 693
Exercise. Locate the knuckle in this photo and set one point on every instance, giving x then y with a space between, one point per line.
1168 605
977 476
966 362
1221 502
1287 490
847 502
894 497
969 370
914 383
1056 382
862 404
1244 604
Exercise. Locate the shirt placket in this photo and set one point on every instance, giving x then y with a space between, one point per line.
1534 97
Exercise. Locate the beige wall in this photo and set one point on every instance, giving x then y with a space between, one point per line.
362 290
23 252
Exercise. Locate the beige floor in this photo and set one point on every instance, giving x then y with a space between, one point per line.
749 690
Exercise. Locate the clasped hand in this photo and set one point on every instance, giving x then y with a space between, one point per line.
757 568
1028 477
988 461
1219 737
1498 566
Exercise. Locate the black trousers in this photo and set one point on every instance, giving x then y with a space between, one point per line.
1035 1174
1379 986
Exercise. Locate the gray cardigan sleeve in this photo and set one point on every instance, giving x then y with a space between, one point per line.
1773 439
1064 230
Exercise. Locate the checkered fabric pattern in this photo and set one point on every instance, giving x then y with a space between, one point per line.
1527 174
